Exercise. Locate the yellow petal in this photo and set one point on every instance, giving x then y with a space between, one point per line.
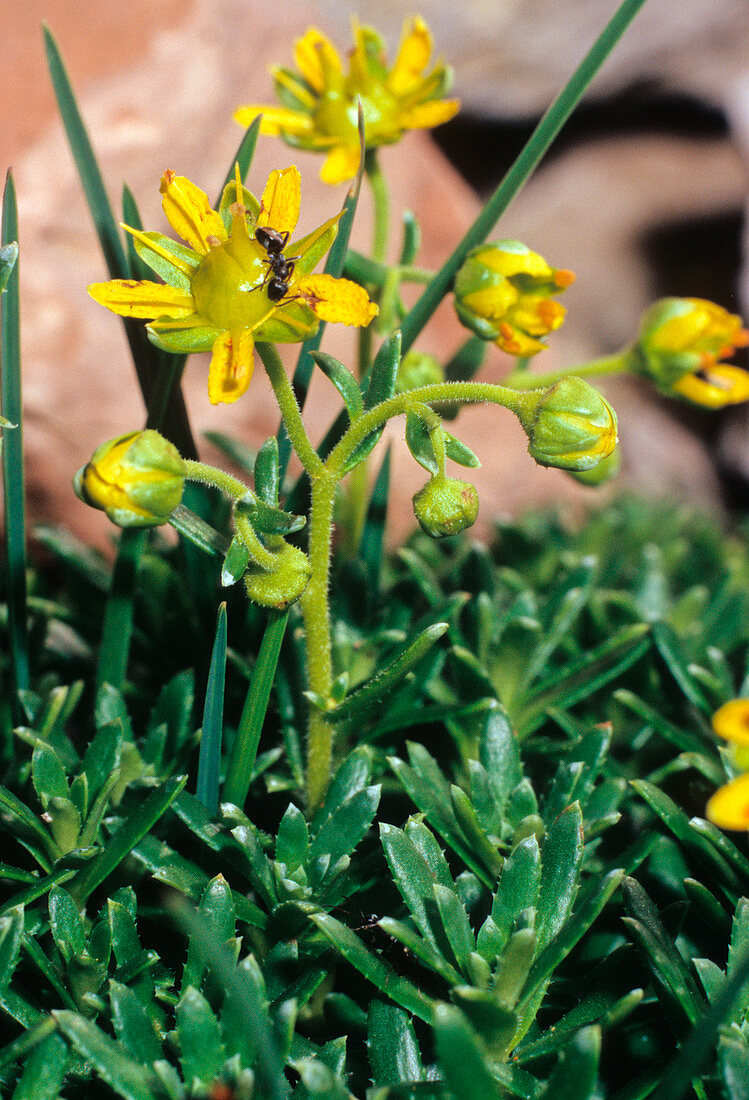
231 366
729 806
425 115
413 55
342 164
189 212
279 207
276 120
731 721
317 60
721 384
142 299
337 300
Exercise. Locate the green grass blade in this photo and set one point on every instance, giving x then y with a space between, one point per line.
529 158
209 759
244 154
145 357
371 547
244 750
117 631
240 987
85 160
333 266
701 1043
13 475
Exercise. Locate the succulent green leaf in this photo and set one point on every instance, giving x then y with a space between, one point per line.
201 1048
462 1058
392 1045
561 856
344 382
133 1026
128 1078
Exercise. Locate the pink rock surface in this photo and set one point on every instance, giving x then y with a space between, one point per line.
163 98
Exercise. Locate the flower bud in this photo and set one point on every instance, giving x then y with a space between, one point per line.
284 584
606 470
446 506
137 479
503 292
571 427
678 348
418 369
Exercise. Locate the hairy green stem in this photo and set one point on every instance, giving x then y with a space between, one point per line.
217 479
617 363
289 407
316 614
464 393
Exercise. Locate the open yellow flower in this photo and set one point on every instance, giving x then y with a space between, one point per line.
679 347
729 806
237 280
320 111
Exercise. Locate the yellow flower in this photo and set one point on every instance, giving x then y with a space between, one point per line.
503 293
137 479
680 343
729 806
237 280
320 111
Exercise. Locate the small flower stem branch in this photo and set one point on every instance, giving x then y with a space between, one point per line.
258 553
463 393
608 364
316 614
529 158
217 479
289 407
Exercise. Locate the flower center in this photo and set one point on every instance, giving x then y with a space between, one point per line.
230 286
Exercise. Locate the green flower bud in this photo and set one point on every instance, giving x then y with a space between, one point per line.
504 292
446 506
285 584
572 426
418 369
137 479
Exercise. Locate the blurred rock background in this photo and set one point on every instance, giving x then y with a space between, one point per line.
643 195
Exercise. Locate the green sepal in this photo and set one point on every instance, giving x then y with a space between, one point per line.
170 273
229 197
169 336
235 563
267 473
313 247
267 520
343 380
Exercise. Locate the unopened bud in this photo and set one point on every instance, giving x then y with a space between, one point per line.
137 479
282 585
446 506
572 427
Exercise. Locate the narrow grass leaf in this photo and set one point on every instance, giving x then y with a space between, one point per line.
244 749
12 452
530 156
333 266
244 155
117 631
372 544
209 759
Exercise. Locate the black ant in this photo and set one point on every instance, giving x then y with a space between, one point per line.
280 269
